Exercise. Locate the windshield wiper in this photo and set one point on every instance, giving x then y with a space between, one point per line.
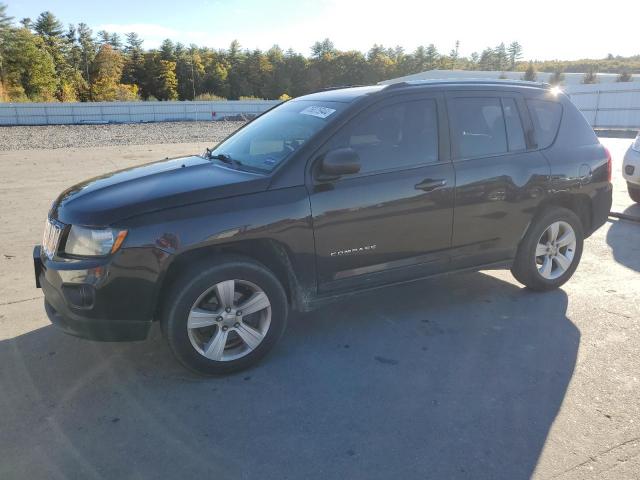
223 157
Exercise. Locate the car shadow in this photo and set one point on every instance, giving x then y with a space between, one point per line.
620 238
454 377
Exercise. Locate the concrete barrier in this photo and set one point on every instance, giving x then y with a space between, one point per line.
128 112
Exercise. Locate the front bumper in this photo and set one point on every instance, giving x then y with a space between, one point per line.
104 299
631 167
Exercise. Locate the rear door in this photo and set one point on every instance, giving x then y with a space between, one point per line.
393 220
500 179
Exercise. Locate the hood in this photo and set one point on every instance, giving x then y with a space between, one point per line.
107 199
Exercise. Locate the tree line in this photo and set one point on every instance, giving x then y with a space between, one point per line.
43 60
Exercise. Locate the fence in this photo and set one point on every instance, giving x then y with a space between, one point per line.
608 105
127 112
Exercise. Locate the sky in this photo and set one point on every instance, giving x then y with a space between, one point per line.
547 30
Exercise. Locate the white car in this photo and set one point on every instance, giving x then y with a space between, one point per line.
631 169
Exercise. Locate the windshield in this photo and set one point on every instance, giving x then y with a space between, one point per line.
274 136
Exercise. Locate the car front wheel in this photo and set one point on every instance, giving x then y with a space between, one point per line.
225 316
550 251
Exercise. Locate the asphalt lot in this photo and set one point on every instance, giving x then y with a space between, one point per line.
466 376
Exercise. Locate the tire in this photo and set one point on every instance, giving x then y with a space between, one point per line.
203 321
549 270
634 192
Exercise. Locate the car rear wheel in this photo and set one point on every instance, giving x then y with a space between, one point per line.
634 192
550 251
224 317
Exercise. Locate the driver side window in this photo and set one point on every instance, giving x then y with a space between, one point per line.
395 136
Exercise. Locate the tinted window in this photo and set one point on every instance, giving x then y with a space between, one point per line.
478 127
272 137
395 136
515 132
546 119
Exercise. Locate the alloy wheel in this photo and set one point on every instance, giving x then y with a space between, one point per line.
555 250
229 320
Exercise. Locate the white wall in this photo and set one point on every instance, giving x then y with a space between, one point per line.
127 112
569 78
608 105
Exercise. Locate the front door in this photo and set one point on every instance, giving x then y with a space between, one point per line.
393 220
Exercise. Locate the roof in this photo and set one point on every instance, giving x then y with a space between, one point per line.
349 94
467 81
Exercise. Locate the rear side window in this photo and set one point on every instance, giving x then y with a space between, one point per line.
478 127
515 133
546 120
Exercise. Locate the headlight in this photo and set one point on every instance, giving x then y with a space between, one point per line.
636 144
89 242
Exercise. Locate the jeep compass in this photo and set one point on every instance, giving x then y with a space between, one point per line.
323 196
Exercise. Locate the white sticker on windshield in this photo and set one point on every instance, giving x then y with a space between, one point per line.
316 111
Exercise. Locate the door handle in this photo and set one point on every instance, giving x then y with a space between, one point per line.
430 184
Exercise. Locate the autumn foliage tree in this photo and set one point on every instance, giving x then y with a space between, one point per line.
40 60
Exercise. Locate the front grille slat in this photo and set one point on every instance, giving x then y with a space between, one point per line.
51 237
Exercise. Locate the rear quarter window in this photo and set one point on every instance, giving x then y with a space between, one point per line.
546 118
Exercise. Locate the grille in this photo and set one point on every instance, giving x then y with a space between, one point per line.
51 237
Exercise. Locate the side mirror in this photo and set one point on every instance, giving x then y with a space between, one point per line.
338 162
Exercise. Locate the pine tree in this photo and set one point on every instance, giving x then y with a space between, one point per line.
5 32
515 53
5 20
322 49
487 59
501 60
88 50
168 50
557 77
591 75
530 73
624 76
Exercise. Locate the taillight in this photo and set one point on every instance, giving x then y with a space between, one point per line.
609 165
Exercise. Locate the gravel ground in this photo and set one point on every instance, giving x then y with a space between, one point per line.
78 136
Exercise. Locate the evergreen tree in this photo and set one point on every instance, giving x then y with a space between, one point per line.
5 20
624 77
168 50
501 59
48 26
431 56
557 77
133 69
487 59
51 30
5 33
88 50
591 75
515 54
530 73
323 48
453 56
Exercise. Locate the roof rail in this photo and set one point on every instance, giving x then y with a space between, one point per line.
470 81
338 87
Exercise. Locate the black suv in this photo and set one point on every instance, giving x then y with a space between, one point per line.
322 196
